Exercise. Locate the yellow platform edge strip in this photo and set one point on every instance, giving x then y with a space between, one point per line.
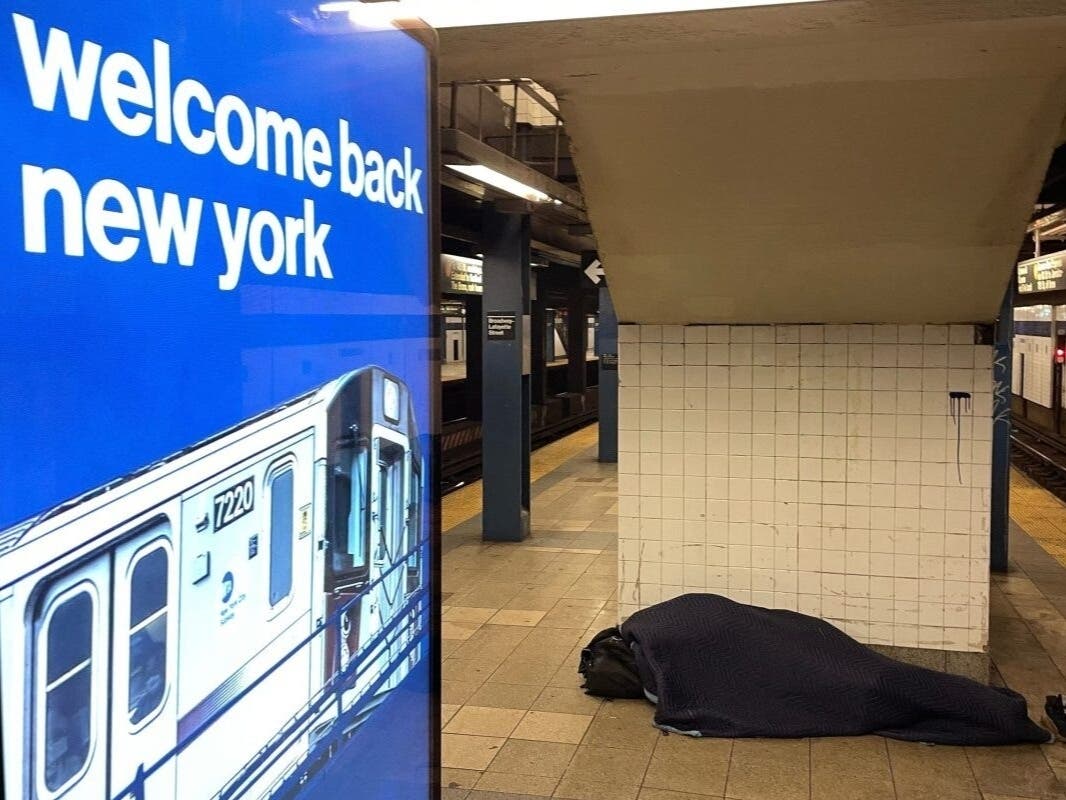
1040 513
465 503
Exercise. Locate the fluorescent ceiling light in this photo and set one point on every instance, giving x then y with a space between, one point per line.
490 177
464 13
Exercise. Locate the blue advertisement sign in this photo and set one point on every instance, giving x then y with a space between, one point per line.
216 402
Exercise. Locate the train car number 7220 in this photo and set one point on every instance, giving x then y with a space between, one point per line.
234 503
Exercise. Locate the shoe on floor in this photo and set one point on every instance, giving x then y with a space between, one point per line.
1055 715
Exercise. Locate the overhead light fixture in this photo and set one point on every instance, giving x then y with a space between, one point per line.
505 183
467 13
380 15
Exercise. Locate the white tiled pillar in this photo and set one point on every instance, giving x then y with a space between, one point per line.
818 468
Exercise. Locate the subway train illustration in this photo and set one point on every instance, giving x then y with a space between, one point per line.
219 623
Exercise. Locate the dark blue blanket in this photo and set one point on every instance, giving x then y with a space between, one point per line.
720 668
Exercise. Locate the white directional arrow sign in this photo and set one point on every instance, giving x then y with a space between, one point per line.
594 271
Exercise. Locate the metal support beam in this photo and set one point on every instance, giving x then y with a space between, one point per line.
1001 394
607 350
505 389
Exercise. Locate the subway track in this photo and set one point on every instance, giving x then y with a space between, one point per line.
1039 455
461 447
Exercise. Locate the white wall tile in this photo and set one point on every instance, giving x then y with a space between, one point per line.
814 468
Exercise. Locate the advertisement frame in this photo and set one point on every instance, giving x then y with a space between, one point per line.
427 38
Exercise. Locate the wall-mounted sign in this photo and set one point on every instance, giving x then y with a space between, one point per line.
1043 274
215 407
461 275
1049 224
609 362
500 326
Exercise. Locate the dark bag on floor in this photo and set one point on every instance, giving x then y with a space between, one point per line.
609 668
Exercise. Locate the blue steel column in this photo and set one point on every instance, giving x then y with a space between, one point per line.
607 345
1001 391
505 388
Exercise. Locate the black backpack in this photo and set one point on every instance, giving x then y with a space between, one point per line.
609 668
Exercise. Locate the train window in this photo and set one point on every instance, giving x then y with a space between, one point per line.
349 498
67 701
148 633
281 532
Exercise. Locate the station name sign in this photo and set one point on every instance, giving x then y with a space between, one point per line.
461 275
1043 274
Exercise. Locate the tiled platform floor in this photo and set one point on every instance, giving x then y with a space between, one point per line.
517 725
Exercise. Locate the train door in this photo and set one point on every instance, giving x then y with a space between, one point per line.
144 660
390 517
414 524
102 710
69 716
388 513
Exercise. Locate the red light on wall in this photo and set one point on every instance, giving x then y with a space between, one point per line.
1060 355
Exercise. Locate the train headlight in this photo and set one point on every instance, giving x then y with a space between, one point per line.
391 400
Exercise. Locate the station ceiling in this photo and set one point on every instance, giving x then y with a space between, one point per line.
843 161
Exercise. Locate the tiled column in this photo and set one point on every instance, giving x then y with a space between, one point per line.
607 350
815 468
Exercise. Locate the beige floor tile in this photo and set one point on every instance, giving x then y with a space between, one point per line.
505 695
572 614
566 701
921 772
517 617
545 759
460 751
666 794
626 724
769 769
854 767
605 619
608 766
551 579
492 642
558 640
550 726
470 670
592 587
567 675
530 785
458 778
691 765
485 721
487 594
555 655
1017 770
542 598
531 673
577 788
454 692
458 631
447 711
1056 759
